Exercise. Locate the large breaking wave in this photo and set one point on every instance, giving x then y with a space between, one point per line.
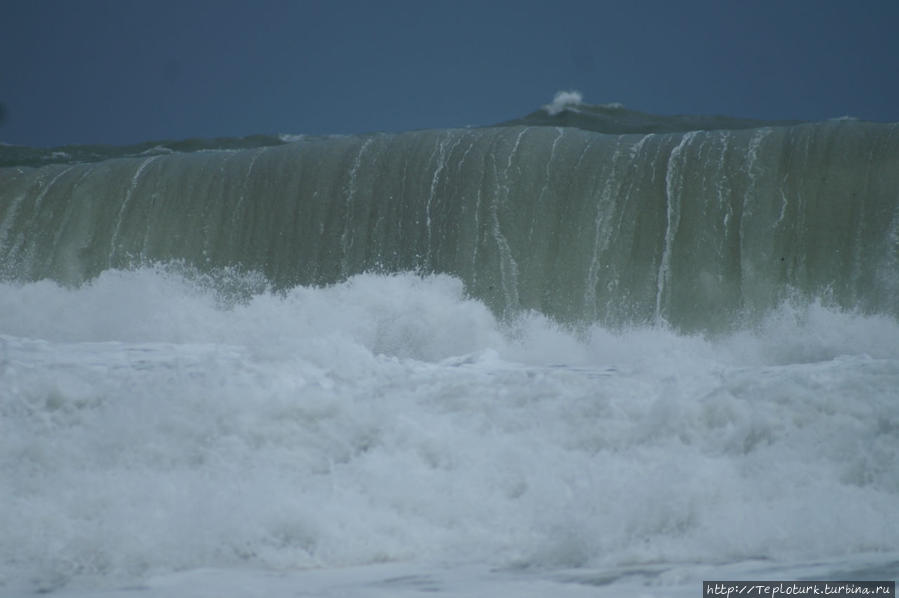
617 217
185 397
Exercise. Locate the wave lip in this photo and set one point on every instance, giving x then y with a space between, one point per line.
569 110
35 157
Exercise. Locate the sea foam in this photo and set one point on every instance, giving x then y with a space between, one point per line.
153 423
563 100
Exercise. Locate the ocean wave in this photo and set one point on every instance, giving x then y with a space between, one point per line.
151 424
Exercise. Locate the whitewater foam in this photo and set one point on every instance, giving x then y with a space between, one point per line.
154 421
563 100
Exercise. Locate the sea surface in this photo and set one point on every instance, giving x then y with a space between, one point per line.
588 352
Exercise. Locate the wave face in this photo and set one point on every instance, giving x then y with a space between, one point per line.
698 229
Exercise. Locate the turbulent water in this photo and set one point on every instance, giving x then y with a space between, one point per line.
585 346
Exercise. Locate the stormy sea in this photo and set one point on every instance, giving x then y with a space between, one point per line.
584 352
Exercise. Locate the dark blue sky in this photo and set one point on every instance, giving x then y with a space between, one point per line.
124 71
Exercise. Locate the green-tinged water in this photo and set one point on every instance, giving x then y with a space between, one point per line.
698 229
